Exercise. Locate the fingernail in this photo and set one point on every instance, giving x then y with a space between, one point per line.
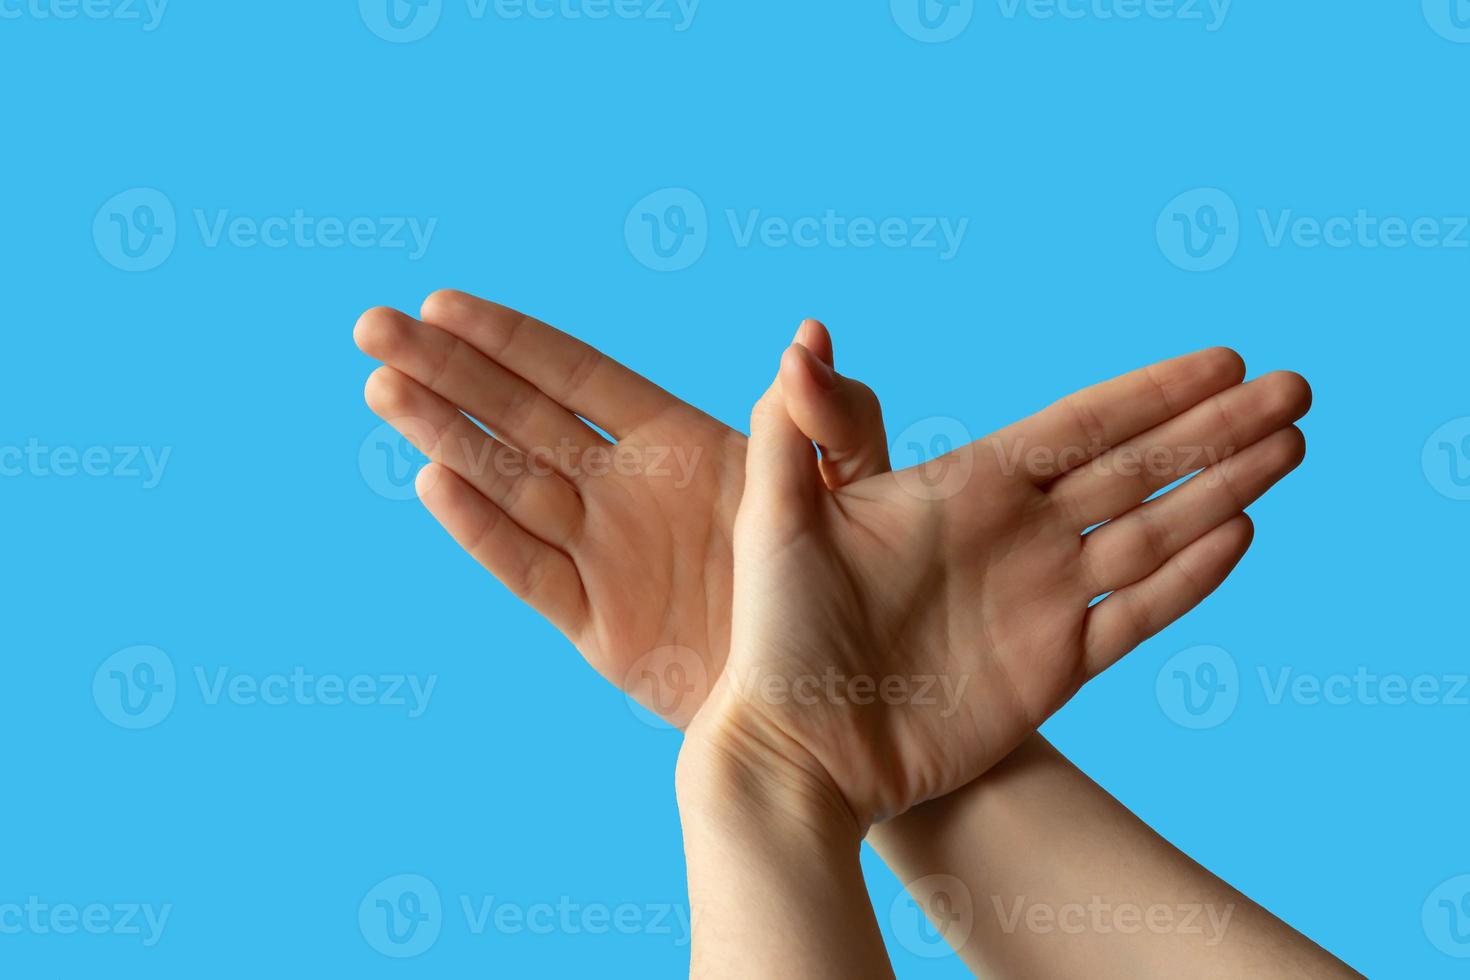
800 328
820 369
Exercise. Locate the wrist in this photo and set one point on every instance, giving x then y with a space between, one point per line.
742 775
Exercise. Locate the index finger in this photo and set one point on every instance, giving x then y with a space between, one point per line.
1087 423
576 375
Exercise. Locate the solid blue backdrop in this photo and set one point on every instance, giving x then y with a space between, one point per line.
248 689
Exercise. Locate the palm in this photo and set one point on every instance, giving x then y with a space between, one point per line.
631 562
974 582
990 579
654 560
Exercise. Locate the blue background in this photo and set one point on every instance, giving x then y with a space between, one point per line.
264 547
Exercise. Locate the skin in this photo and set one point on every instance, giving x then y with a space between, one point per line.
636 567
804 553
775 884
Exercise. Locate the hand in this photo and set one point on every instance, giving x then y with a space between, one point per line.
625 565
896 637
625 562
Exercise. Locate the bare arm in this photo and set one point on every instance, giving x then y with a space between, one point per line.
1053 877
774 880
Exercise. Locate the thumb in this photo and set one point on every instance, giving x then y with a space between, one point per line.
780 471
840 415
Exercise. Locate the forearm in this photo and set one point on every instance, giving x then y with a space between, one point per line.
775 884
1063 880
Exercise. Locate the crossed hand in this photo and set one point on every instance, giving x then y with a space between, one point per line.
981 567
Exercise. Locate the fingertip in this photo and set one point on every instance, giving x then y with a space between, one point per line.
427 479
813 335
801 359
441 304
1227 363
1241 531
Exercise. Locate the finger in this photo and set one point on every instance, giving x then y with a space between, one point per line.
1236 418
575 375
1089 422
814 336
1133 546
534 496
780 469
511 407
534 571
840 415
1133 614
